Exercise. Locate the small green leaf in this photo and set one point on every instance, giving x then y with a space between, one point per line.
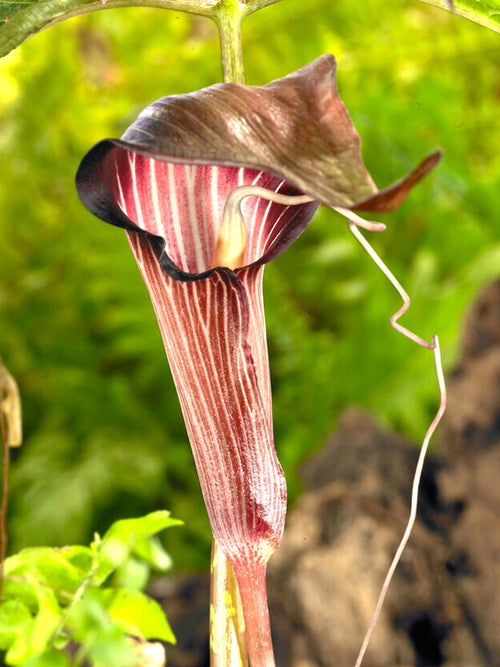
51 567
49 659
139 615
17 586
128 530
78 556
135 536
151 551
112 554
30 632
105 559
88 617
15 622
113 651
91 625
13 615
46 621
44 566
133 575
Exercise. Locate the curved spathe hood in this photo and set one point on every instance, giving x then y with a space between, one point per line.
296 129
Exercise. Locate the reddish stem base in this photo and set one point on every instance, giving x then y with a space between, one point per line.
252 585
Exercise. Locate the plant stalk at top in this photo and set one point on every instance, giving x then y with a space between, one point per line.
228 17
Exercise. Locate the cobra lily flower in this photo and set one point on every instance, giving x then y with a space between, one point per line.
209 187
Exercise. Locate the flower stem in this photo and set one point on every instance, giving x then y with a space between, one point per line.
227 625
228 18
234 637
252 586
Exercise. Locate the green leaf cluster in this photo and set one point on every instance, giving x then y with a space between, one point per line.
61 605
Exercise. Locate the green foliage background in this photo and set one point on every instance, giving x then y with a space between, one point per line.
104 436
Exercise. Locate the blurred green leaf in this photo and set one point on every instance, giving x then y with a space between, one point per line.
134 536
139 615
51 595
49 659
48 566
15 620
25 632
102 640
152 552
131 531
46 621
133 575
18 586
484 12
80 557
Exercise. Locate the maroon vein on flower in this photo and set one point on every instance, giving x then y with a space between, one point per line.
166 182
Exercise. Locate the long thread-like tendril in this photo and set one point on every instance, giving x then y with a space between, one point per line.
433 345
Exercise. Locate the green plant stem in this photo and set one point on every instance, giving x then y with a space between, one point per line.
227 625
228 16
82 588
